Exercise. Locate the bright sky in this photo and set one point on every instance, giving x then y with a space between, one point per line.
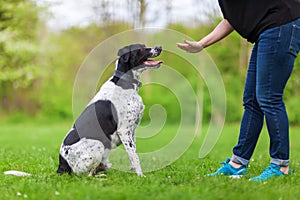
67 13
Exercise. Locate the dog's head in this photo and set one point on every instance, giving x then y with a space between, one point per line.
137 56
133 60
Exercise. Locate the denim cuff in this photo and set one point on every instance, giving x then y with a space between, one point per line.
239 160
279 162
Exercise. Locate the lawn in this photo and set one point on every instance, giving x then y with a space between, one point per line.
33 148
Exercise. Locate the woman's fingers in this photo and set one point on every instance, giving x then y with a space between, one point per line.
189 46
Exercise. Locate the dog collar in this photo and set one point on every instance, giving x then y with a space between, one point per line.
125 77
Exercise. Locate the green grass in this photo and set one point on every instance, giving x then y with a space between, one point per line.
33 148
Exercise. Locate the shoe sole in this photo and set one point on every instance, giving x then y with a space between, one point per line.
235 176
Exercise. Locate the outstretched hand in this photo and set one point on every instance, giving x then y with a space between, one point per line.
189 46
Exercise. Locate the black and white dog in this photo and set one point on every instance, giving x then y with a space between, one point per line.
110 119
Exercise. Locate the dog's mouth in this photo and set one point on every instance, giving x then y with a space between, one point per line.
153 63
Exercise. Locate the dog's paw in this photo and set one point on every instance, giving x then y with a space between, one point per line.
108 165
103 167
138 171
140 174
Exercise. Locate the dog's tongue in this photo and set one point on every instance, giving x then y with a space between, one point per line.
153 62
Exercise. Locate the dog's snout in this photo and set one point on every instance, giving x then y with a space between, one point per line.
156 51
158 48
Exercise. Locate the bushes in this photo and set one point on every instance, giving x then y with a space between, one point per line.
61 54
18 51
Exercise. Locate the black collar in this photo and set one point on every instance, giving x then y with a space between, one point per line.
127 78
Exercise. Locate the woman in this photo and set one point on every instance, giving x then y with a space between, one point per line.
274 27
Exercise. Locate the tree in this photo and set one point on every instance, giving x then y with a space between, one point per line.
142 13
102 13
18 49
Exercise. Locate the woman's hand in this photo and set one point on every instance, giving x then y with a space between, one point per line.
189 46
222 30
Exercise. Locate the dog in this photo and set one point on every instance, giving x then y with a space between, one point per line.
111 117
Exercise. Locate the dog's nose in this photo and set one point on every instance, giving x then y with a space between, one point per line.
158 48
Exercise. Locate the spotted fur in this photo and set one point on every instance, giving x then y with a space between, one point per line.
110 119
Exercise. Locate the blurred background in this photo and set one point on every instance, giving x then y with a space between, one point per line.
44 42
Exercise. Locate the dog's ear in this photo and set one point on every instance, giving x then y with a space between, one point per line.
125 53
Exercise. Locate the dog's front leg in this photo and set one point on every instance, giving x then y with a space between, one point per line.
130 147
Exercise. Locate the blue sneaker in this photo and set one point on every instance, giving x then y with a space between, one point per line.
272 171
230 171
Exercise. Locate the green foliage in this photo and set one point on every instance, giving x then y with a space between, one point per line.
38 67
292 94
18 50
18 21
60 57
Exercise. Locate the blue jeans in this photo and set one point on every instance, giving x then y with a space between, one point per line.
270 67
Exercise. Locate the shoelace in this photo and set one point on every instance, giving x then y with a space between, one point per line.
268 171
226 162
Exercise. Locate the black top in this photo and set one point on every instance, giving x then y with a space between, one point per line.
251 17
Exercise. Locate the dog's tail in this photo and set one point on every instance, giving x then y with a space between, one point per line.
63 166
